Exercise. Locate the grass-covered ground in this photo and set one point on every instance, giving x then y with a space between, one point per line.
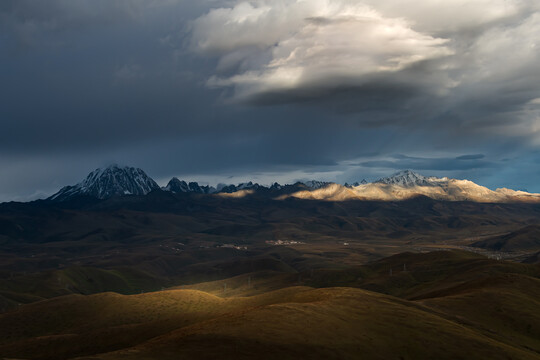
441 305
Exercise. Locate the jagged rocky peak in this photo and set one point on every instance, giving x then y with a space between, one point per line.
408 178
242 186
111 181
180 186
176 186
194 187
276 186
356 183
248 186
315 184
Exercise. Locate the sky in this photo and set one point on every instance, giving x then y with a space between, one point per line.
223 91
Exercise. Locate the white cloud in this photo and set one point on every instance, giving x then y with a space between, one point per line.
461 65
308 45
450 16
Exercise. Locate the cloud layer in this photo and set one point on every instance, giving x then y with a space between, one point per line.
300 49
457 63
269 89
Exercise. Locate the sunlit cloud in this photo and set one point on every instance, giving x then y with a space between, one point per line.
309 48
463 66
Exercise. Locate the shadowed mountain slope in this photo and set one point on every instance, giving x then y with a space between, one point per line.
527 238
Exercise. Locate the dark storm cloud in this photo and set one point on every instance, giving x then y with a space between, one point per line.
284 89
97 76
465 162
471 157
30 23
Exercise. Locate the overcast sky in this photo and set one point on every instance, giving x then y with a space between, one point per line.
269 90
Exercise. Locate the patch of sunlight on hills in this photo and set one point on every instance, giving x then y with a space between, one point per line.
444 305
445 189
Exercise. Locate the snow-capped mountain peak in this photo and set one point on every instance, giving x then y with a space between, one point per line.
408 178
111 181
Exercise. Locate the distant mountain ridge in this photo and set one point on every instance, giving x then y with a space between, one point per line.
407 184
119 181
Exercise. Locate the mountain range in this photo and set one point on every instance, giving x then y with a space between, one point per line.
115 181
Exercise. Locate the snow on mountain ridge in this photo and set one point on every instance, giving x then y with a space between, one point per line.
400 188
408 178
111 181
119 181
315 184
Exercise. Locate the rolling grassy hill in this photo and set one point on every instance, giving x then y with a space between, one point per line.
169 276
144 243
445 305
